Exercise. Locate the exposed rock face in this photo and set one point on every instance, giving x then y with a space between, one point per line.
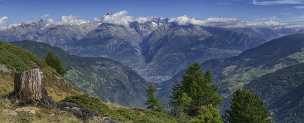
28 88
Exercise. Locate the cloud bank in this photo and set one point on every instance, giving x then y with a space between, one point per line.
185 20
122 18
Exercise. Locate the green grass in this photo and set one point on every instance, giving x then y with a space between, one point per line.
122 114
17 59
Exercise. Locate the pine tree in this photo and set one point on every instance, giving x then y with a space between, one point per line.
180 101
152 102
247 108
54 62
198 86
208 114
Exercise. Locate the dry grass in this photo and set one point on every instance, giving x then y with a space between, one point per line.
9 113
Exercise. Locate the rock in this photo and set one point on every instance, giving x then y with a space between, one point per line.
108 120
77 110
10 112
84 114
32 110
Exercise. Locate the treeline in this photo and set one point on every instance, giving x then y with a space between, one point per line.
196 100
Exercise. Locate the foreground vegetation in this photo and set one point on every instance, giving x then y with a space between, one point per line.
122 114
194 100
60 90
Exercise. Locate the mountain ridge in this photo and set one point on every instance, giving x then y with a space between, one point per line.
144 45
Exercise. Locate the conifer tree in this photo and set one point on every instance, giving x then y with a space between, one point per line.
54 62
195 91
152 102
180 101
208 114
198 86
247 108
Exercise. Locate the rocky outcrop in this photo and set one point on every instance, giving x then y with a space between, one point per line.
83 113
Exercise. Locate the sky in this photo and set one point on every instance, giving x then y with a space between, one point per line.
25 10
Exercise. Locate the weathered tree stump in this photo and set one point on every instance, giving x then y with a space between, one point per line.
28 88
28 85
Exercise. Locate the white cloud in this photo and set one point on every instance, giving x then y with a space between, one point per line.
120 18
278 2
214 21
4 22
143 19
185 20
264 23
72 20
222 20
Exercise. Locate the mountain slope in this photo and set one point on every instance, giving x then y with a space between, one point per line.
283 92
232 73
101 77
157 49
166 49
16 59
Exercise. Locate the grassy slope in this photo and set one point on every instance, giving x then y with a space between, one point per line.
123 114
58 89
101 77
17 59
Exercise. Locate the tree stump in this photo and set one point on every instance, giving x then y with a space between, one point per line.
28 88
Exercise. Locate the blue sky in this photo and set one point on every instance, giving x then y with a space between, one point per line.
23 10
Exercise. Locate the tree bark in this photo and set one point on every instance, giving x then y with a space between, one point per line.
28 86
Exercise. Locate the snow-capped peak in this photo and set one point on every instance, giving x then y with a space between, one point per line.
122 18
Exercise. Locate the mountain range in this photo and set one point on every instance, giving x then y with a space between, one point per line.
116 60
157 48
